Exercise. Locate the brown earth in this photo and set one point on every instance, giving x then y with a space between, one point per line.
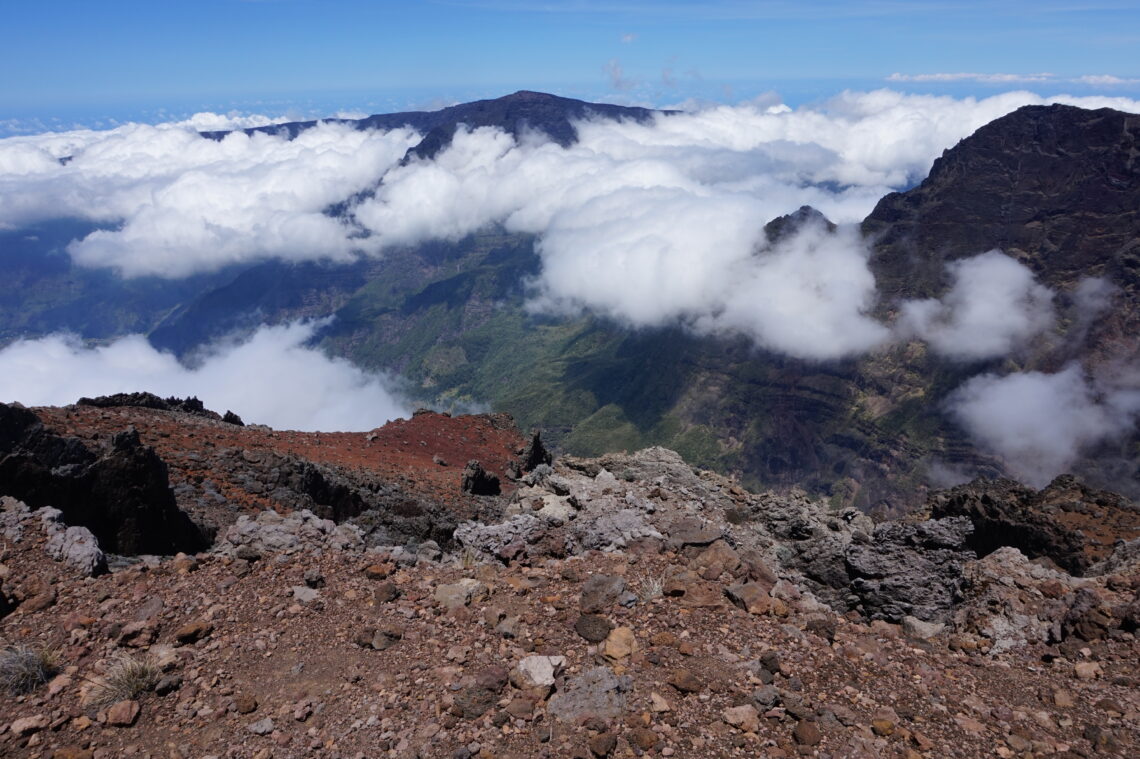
705 678
424 455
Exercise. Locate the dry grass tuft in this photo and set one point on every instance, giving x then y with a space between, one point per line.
126 679
23 668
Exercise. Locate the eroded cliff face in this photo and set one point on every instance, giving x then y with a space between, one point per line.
1058 189
1053 186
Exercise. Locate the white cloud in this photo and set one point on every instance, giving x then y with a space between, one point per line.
1105 80
994 306
1093 80
1041 423
968 77
618 80
270 378
186 204
646 223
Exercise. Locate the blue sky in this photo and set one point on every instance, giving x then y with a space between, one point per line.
82 61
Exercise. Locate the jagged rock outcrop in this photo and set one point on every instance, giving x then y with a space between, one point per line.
906 569
478 481
121 493
188 405
1038 523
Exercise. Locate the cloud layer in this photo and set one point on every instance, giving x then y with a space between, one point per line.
1041 423
271 378
994 305
182 204
647 224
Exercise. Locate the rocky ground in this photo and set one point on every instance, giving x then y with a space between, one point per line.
622 606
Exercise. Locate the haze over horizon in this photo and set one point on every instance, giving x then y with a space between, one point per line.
73 64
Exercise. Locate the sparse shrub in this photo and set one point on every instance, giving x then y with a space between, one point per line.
126 679
650 587
23 668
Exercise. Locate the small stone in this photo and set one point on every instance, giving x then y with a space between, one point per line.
386 636
1063 699
685 681
643 738
386 592
1112 707
750 596
314 579
245 703
766 696
261 727
658 704
603 744
72 752
167 684
744 717
620 644
593 627
600 592
29 725
183 564
537 671
38 602
916 628
123 714
520 708
379 571
304 594
882 726
807 733
192 632
1086 670
457 595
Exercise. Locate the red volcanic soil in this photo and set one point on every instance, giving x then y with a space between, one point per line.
424 456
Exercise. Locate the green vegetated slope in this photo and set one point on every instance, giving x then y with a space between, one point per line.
43 292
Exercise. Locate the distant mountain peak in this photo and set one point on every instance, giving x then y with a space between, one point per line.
521 111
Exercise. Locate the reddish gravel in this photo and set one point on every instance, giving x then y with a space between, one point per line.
424 455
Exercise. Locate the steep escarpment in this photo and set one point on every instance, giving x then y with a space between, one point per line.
1053 186
1057 188
116 487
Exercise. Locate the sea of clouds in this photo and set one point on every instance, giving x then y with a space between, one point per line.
647 224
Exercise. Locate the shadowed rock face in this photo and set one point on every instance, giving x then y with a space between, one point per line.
121 494
1059 522
1054 186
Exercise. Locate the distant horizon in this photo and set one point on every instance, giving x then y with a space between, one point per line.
302 106
73 64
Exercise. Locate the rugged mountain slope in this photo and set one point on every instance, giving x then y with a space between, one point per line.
1054 186
1057 188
